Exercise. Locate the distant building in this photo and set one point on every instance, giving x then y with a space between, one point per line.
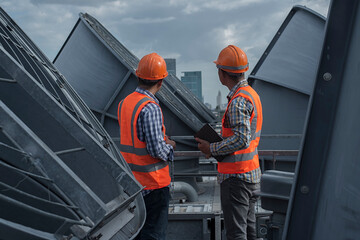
218 99
171 65
193 81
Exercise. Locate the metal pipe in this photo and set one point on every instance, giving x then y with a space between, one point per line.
186 189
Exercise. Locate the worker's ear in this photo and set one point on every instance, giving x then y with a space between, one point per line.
160 82
221 75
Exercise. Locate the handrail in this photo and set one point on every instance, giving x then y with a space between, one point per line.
262 153
273 153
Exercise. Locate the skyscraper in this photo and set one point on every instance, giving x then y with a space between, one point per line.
218 100
193 81
171 65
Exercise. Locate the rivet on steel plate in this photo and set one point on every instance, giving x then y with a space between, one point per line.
263 230
304 189
327 76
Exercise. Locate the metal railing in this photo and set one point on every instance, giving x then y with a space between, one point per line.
264 155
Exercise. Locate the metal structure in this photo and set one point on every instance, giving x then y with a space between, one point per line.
102 71
287 70
325 199
61 174
275 193
97 64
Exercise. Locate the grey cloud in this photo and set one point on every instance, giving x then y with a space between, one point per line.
72 2
147 20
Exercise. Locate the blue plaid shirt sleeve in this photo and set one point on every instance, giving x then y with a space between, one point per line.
149 130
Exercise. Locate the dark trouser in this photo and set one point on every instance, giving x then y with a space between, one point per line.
157 208
238 205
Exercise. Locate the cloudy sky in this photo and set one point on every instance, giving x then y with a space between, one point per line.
192 31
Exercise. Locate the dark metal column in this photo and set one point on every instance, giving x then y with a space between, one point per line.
325 201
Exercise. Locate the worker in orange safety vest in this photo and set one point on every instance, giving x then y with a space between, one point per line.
239 172
145 146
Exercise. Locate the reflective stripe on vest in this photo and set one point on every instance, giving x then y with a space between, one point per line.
148 168
246 159
153 173
240 157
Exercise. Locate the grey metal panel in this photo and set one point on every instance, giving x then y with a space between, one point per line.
71 137
275 190
100 84
284 112
284 78
325 199
292 57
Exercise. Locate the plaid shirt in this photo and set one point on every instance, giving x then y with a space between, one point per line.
238 119
149 130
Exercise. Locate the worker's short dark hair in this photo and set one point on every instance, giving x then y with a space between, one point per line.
148 83
234 76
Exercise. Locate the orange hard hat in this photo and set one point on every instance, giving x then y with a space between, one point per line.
232 59
152 67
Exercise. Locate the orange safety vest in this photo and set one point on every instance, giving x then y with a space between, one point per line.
247 159
153 173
